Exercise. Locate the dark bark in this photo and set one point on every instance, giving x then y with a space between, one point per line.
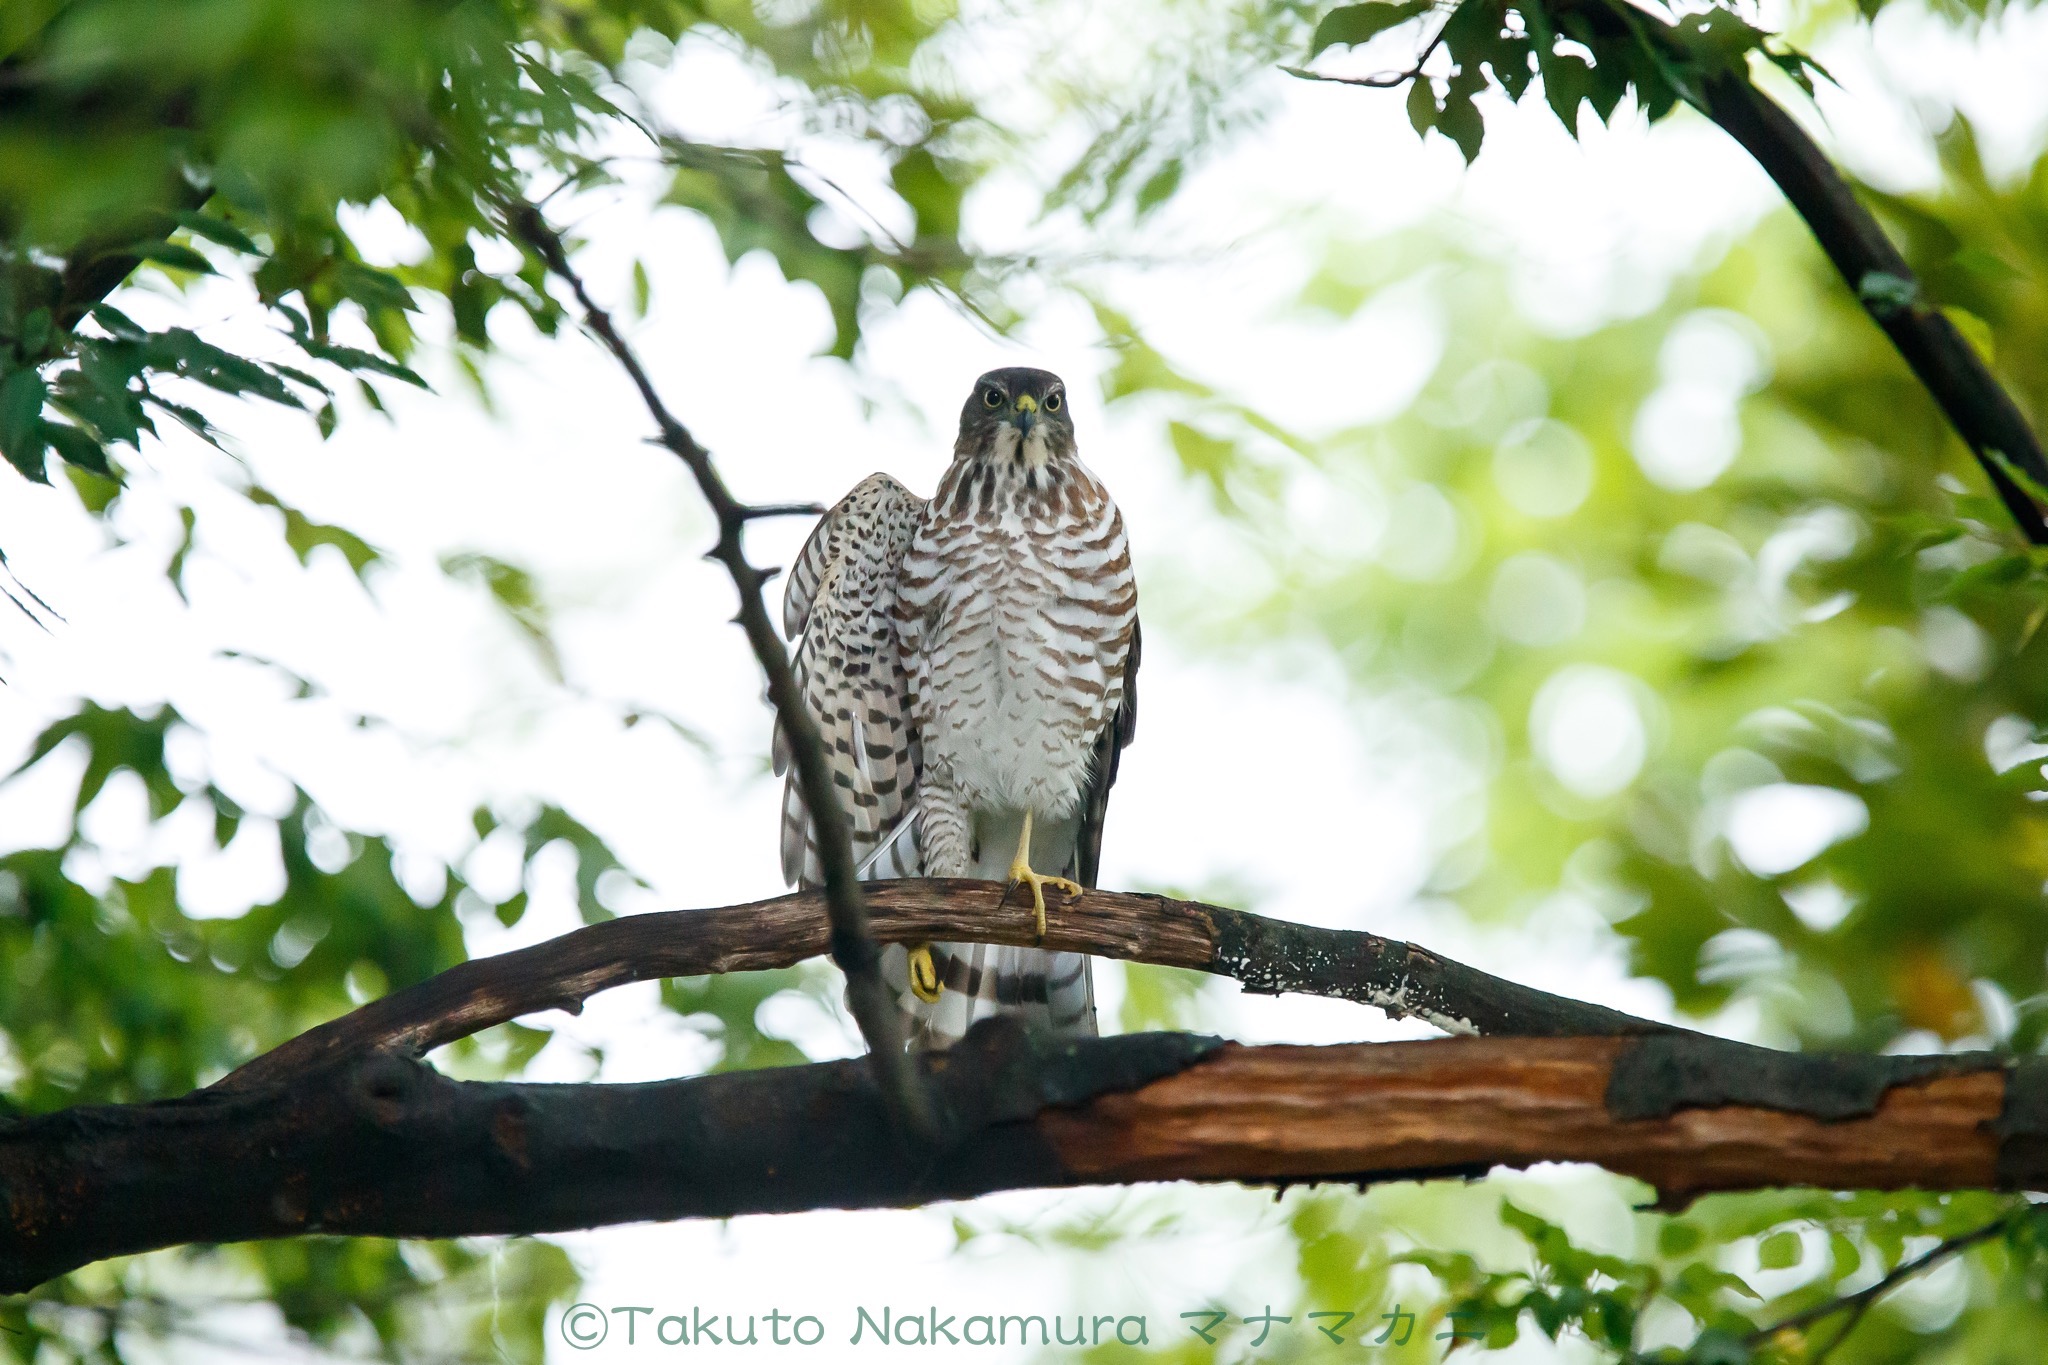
1268 956
385 1146
1976 404
853 946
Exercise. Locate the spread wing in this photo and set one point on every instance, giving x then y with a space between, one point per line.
837 611
1109 748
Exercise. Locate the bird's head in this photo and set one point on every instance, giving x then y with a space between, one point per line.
1017 414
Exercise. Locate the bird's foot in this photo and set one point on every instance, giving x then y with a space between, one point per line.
1022 875
924 974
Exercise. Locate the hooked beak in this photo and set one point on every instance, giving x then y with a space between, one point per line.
1027 415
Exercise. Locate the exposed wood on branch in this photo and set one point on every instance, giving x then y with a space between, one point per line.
1268 956
385 1146
1460 1106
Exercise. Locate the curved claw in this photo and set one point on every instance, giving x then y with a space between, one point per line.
924 975
1024 876
1021 874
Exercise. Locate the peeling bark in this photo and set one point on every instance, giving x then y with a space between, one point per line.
385 1146
1269 956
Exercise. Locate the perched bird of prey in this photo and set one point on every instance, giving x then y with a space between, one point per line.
972 663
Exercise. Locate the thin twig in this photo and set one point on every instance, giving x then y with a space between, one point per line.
1385 82
761 511
853 948
1861 1301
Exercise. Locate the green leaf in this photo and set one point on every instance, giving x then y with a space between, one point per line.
373 289
175 569
95 494
1159 187
1985 264
510 912
77 447
1567 82
1353 24
298 376
1780 1250
642 291
2026 482
1699 1280
305 535
1460 121
1716 1347
117 323
1677 1237
217 230
174 255
35 334
21 426
517 595
1422 106
350 358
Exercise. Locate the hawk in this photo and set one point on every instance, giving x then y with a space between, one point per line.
971 662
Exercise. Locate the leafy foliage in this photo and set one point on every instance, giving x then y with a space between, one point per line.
1729 544
239 139
1838 612
1586 55
118 993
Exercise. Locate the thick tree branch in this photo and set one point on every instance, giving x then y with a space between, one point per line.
1976 404
1268 956
852 946
386 1146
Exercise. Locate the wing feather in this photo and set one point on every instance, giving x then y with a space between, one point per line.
1109 748
850 671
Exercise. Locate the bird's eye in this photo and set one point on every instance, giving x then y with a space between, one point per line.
991 398
1052 402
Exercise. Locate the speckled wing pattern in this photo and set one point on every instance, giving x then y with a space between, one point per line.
839 609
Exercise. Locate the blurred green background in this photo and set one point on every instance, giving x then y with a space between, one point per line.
1746 661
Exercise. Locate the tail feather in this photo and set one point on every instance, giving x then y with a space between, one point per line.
1045 990
1042 989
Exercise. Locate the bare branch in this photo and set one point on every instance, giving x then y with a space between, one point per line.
852 947
1860 1302
761 511
1976 404
1948 367
1269 956
1388 81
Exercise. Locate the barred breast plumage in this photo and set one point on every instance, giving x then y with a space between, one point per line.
1015 623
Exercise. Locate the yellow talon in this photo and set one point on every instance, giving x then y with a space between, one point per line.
924 974
1022 875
